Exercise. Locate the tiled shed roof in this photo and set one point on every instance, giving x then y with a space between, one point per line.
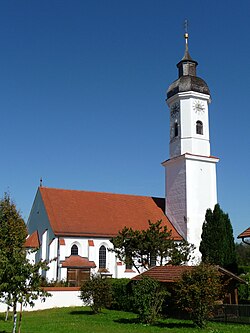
78 262
245 233
32 241
97 214
172 274
166 273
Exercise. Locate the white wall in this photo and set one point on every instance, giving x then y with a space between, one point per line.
58 299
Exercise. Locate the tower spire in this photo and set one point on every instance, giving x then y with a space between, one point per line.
186 54
187 66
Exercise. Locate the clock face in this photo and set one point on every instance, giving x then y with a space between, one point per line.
199 107
175 108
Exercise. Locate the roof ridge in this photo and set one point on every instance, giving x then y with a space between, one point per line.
99 192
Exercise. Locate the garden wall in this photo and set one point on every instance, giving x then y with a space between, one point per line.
61 297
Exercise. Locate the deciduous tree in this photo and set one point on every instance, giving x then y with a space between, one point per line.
20 281
197 292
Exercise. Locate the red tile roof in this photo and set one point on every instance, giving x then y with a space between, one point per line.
165 273
172 274
90 214
245 233
32 241
78 262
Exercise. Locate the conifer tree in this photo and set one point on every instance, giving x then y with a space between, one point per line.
150 247
217 242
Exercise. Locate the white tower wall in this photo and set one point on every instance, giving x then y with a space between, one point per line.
191 170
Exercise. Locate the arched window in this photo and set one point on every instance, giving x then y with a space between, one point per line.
175 129
199 127
102 257
74 250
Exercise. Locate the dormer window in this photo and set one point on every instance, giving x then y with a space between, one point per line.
74 250
199 127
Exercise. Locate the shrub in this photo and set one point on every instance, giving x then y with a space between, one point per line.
96 293
148 297
243 289
121 294
197 292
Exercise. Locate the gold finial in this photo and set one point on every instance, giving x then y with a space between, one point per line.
186 30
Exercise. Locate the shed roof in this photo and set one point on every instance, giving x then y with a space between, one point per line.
245 233
32 241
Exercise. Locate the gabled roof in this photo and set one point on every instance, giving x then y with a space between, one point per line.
97 214
245 233
78 262
172 274
32 241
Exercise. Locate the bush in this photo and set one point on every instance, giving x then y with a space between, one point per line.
121 294
197 292
148 297
243 289
96 293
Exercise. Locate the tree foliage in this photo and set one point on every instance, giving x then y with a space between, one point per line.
148 296
217 242
143 248
20 280
197 292
96 293
244 289
243 254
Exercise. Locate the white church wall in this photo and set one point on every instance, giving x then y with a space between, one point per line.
51 273
38 219
44 245
80 242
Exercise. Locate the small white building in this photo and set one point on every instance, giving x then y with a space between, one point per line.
73 228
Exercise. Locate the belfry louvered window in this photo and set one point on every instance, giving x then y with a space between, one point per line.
102 257
199 127
176 129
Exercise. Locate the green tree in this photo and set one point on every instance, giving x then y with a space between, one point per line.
217 242
19 279
96 293
243 254
197 292
147 247
148 296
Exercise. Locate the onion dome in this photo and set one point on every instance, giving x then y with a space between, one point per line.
187 81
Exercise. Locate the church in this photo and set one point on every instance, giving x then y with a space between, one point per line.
72 229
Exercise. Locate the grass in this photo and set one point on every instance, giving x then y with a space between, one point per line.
81 319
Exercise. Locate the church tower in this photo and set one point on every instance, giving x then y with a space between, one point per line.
191 170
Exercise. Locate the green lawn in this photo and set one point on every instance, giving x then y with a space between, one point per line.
81 319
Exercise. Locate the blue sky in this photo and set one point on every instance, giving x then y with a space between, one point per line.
83 86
